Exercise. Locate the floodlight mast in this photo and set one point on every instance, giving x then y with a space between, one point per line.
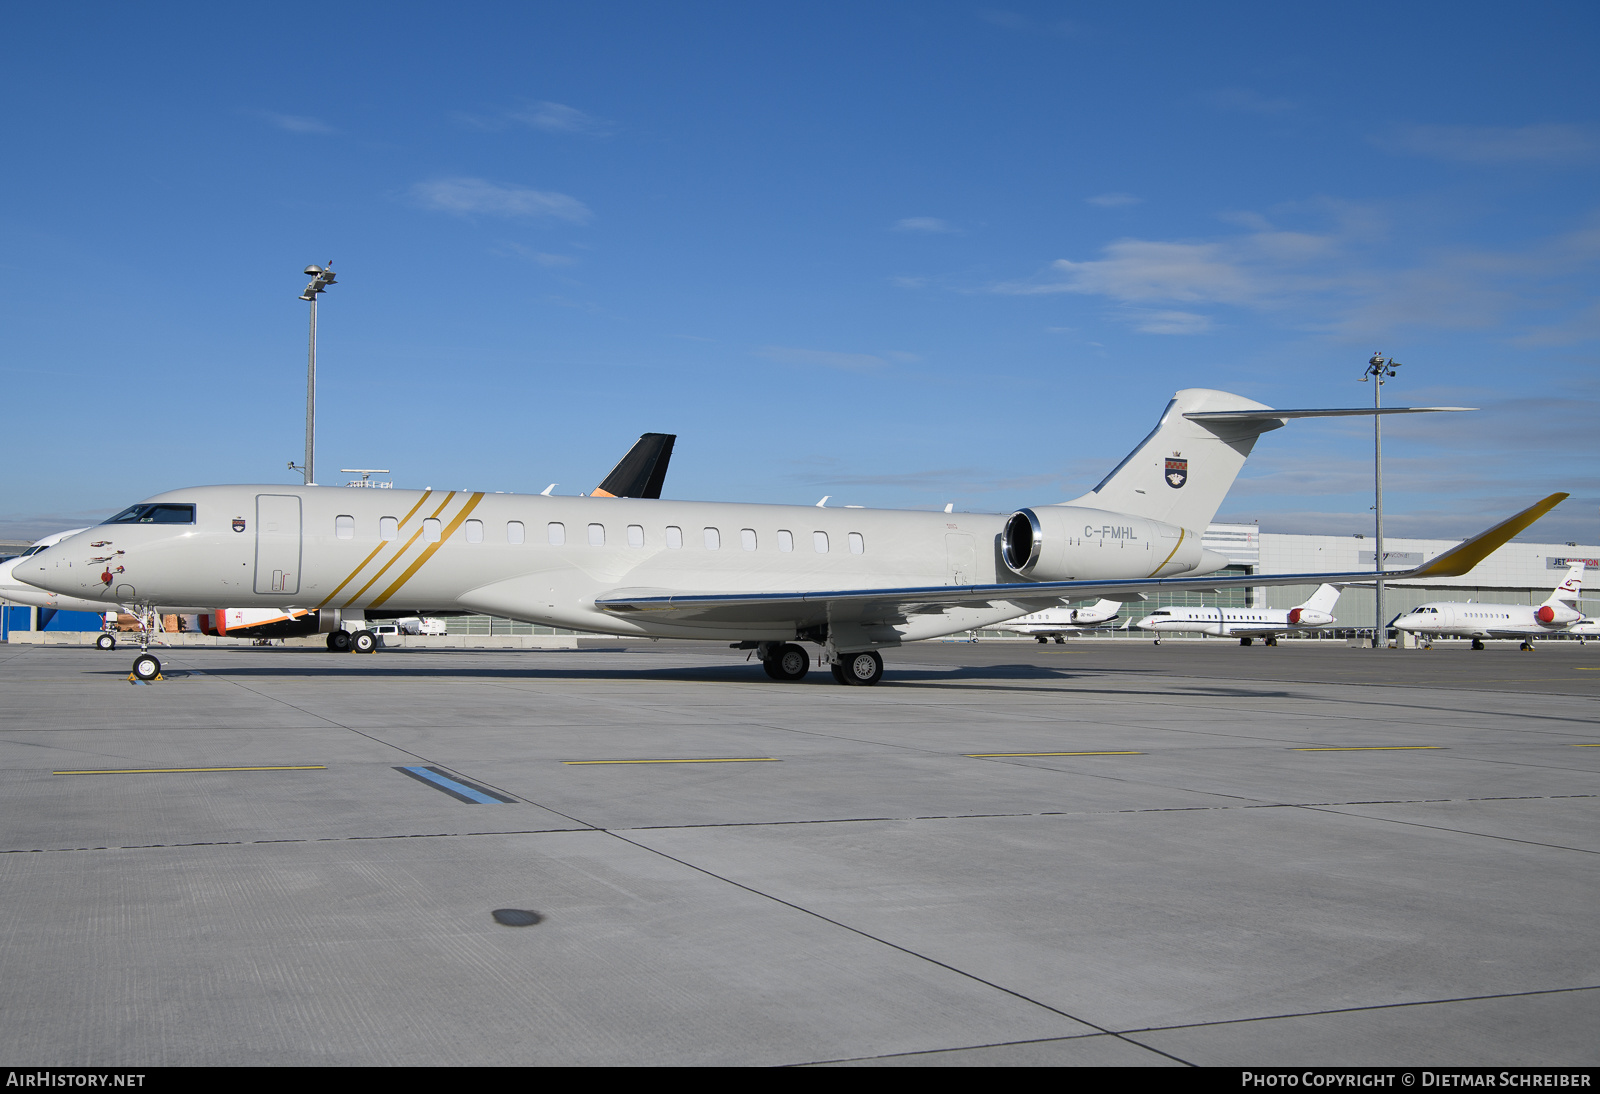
1378 371
321 278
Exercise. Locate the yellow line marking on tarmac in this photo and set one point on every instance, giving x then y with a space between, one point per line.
709 760
1586 746
1369 748
1004 755
172 770
1588 668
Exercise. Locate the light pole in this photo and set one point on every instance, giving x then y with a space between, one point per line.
1378 371
321 278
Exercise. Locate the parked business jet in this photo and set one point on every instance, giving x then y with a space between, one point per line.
1057 623
764 577
1245 624
1559 614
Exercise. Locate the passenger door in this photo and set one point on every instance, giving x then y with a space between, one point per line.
277 543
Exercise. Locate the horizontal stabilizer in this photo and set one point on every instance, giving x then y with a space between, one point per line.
1350 412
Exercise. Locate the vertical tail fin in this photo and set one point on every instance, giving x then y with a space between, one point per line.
1181 472
1569 589
1323 599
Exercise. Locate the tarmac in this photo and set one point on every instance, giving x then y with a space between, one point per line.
1098 853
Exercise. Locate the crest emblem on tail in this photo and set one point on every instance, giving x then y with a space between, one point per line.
1177 470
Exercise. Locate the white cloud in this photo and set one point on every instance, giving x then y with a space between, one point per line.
853 362
1550 143
909 282
1336 281
559 118
291 123
468 195
1169 322
932 225
1113 200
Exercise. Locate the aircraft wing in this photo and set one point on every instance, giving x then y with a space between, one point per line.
896 605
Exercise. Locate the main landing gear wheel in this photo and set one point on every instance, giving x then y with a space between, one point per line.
1477 643
864 668
106 642
1271 640
363 642
1246 641
146 667
788 662
339 641
1042 639
1061 640
1527 645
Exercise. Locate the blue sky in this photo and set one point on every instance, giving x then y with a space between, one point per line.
902 254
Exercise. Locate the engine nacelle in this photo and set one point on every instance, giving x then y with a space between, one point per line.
1066 543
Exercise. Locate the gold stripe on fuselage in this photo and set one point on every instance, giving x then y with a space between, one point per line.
352 574
1181 533
398 554
426 555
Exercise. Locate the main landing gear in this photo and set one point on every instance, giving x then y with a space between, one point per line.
790 662
864 668
1477 643
359 642
1527 645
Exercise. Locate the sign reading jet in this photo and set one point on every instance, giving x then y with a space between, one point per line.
764 577
1246 624
1559 614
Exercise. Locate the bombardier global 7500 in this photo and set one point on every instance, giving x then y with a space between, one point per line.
761 577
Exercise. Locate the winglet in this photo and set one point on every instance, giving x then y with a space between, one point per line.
1467 554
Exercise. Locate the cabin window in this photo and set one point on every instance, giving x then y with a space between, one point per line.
674 536
819 540
597 535
344 526
474 530
713 539
785 539
747 538
431 529
635 535
514 531
558 533
388 527
857 544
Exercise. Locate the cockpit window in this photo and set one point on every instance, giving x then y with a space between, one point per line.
159 513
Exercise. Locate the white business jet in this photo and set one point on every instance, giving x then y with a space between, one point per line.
764 577
1559 614
1245 624
1057 623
